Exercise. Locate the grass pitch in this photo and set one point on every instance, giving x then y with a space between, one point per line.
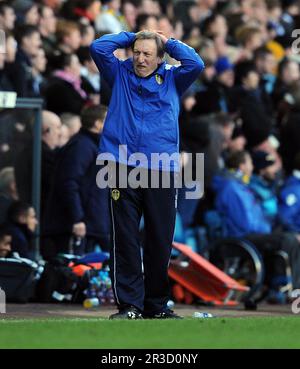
270 332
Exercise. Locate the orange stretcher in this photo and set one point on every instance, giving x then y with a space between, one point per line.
204 280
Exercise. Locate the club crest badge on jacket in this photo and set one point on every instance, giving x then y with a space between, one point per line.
115 194
159 79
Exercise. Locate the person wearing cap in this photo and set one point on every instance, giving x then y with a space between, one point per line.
217 95
263 183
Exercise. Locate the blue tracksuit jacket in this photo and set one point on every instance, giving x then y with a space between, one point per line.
289 203
242 214
143 112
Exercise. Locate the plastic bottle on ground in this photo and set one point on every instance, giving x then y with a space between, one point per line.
198 314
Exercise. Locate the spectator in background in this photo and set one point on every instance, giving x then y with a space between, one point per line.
47 28
290 130
39 64
146 21
51 125
218 93
241 212
72 121
64 136
266 66
68 39
288 74
130 14
215 27
87 33
290 12
7 16
249 38
238 141
253 103
90 76
77 207
165 26
86 11
201 10
264 184
6 82
243 216
8 191
53 4
64 92
27 12
8 69
29 42
11 48
21 223
289 206
110 20
5 242
150 7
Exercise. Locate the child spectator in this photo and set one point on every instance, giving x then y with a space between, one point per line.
5 242
21 222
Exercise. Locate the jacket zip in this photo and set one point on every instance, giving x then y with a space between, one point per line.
140 91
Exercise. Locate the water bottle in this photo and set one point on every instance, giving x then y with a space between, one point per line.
90 303
170 304
198 314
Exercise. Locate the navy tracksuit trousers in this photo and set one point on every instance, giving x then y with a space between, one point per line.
141 278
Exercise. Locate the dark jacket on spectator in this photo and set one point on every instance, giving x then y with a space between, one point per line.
6 83
5 202
23 75
214 98
61 97
21 239
75 197
256 113
105 90
23 172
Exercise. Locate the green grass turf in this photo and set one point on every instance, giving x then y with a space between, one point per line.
270 332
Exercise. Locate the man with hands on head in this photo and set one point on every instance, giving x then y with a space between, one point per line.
143 115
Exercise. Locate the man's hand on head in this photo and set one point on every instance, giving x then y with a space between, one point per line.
159 33
162 36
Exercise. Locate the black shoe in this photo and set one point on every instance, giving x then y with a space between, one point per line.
130 313
165 314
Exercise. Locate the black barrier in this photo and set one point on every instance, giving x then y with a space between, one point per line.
36 105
